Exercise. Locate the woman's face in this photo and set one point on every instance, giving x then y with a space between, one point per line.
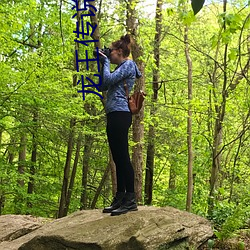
116 56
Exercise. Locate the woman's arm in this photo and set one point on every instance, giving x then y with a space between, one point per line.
123 72
103 86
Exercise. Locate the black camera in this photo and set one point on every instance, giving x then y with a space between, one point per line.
105 51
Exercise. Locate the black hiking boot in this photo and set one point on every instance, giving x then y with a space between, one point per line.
128 204
116 203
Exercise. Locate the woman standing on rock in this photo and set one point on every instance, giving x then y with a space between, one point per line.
119 119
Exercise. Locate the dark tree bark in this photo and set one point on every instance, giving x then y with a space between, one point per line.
22 159
73 174
102 182
19 199
85 170
189 124
2 201
62 205
151 134
137 127
172 170
33 156
64 190
11 152
2 197
217 141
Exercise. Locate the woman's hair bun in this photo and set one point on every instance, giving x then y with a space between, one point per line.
126 39
123 43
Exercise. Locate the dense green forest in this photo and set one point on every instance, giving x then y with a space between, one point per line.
189 144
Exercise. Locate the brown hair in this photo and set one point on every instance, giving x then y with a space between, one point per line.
124 44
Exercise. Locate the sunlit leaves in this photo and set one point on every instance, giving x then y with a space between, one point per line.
233 54
187 17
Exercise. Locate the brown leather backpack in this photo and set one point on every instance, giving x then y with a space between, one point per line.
135 101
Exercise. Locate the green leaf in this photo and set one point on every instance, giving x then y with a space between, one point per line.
188 17
197 5
233 54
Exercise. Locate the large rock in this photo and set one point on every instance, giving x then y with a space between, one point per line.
147 229
15 226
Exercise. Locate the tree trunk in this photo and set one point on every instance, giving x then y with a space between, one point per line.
21 159
151 134
11 154
217 142
99 189
35 112
33 156
189 125
85 169
73 174
62 205
1 135
1 180
137 127
96 36
19 199
64 191
172 170
172 178
2 200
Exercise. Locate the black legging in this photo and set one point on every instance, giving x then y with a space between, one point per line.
118 123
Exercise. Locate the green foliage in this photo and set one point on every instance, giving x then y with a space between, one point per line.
234 221
40 80
222 210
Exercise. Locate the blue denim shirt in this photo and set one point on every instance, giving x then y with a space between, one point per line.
113 82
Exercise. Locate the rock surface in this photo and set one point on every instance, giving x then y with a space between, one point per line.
147 229
15 226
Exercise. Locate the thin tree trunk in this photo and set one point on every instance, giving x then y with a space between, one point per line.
217 142
73 174
33 156
64 191
99 189
234 168
1 135
2 197
172 170
19 199
21 159
137 127
189 125
35 112
172 178
85 170
151 134
11 154
34 144
2 201
62 205
96 36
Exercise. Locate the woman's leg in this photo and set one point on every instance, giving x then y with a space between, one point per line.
118 124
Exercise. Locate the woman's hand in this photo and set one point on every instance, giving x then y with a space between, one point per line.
102 57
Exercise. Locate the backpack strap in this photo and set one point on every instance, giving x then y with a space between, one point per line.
126 89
